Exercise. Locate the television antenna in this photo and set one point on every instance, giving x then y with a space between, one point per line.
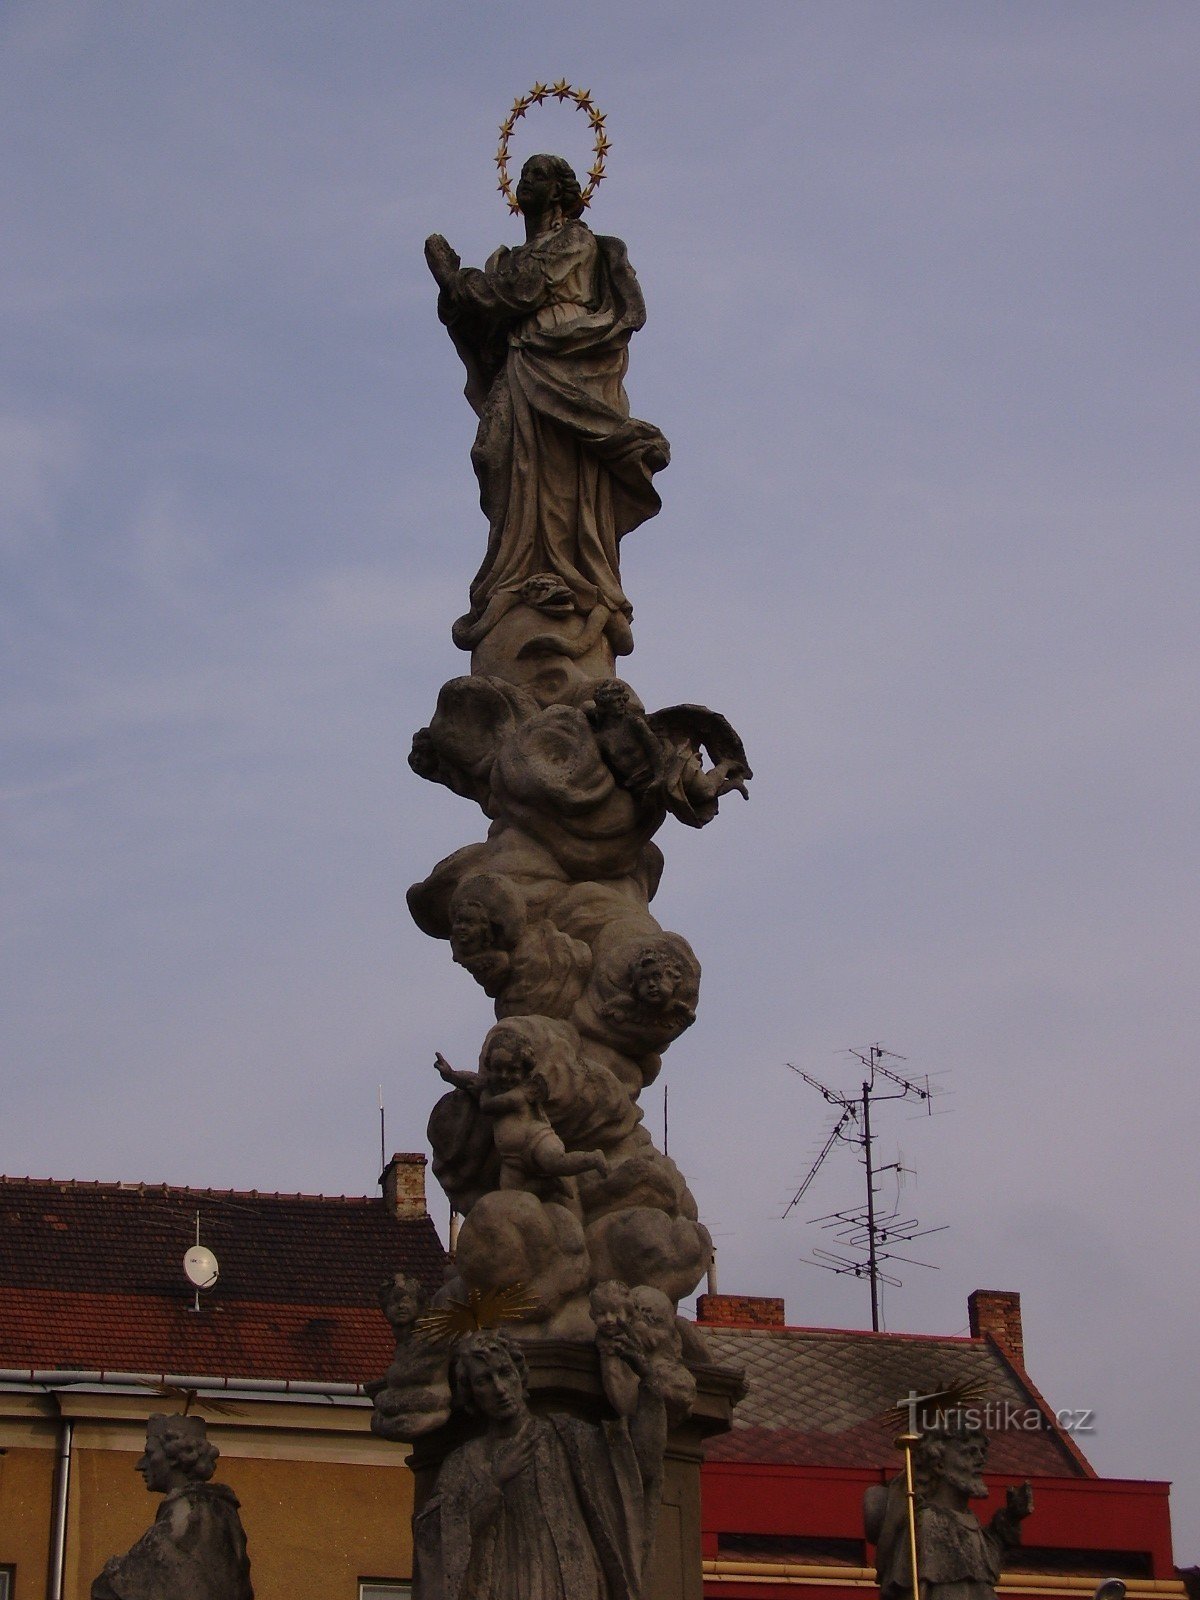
200 1266
866 1237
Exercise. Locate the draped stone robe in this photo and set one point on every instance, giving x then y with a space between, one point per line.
564 471
568 1526
196 1550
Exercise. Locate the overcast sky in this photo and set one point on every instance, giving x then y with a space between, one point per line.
922 332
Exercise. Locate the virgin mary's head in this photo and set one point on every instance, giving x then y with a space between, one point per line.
547 182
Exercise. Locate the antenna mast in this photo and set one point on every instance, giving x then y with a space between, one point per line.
863 1228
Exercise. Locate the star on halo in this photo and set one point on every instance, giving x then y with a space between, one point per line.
561 90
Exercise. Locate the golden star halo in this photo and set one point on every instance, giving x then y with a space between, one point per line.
560 90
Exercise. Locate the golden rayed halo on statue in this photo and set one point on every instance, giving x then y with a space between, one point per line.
483 1308
540 93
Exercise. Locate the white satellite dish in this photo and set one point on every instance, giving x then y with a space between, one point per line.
201 1267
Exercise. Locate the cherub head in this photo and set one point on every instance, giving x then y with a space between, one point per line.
654 978
508 1062
654 1321
664 979
486 913
178 1452
402 1299
652 985
611 1306
611 698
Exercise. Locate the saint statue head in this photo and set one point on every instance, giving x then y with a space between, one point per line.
948 1462
178 1452
488 1378
548 184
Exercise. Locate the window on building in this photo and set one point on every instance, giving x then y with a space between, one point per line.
6 1583
1112 1563
371 1589
790 1547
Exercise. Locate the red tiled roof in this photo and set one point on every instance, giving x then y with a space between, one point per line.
822 1397
41 1328
91 1277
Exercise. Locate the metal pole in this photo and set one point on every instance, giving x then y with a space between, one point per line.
872 1262
906 1442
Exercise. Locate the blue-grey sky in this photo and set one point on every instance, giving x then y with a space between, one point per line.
922 294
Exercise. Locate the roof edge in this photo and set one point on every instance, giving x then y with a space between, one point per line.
773 1331
1035 1394
141 1189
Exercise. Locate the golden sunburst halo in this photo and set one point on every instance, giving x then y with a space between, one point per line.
538 95
483 1308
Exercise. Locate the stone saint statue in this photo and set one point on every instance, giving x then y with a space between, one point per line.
957 1557
535 1508
196 1549
564 471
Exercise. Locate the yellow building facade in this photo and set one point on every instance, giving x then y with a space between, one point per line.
326 1505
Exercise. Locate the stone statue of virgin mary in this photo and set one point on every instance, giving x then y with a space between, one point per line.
564 470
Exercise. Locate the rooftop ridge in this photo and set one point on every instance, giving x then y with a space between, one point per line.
140 1187
711 1329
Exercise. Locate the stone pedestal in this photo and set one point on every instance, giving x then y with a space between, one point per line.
565 1377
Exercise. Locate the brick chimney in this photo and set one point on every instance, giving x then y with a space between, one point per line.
403 1181
998 1312
739 1311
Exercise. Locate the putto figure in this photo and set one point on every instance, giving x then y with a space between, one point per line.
957 1557
196 1549
564 471
512 1093
413 1398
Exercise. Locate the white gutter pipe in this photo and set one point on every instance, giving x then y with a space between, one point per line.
62 1494
60 1378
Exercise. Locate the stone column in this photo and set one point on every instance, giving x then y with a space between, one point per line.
578 1235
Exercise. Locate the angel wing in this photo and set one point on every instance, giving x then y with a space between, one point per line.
685 732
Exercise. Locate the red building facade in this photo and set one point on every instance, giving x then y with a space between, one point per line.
783 1493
